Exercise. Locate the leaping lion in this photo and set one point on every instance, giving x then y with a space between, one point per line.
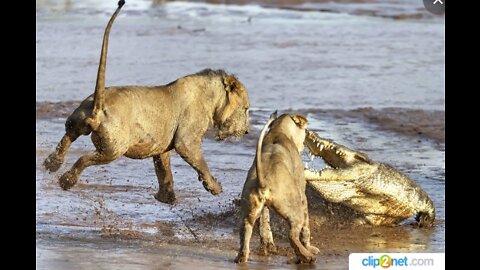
150 121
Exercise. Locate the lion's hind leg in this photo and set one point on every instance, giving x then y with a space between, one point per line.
165 192
70 178
53 162
296 222
246 229
75 126
305 234
267 245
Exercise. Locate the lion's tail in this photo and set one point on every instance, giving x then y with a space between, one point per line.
258 158
99 96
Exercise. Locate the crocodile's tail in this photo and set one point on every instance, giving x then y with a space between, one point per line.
258 158
99 96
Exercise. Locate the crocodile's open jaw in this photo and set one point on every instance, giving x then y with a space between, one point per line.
384 195
336 156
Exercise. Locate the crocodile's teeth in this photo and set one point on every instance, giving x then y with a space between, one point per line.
321 147
337 152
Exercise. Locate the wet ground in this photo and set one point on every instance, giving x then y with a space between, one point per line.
364 81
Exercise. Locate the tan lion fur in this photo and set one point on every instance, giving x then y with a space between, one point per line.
150 121
280 184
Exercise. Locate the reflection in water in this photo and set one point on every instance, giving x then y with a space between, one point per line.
115 202
398 239
403 238
293 60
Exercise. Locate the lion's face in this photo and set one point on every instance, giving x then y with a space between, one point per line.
234 119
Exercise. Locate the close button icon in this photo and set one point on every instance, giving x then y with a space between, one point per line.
436 7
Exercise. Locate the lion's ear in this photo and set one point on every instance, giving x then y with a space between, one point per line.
231 83
299 120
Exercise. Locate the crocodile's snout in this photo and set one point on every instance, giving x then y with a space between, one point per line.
425 219
379 191
333 154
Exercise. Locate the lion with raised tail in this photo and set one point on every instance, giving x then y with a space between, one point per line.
150 121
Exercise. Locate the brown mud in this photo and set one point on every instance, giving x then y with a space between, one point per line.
331 66
410 122
134 249
205 239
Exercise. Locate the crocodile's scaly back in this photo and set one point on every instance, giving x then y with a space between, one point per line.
381 193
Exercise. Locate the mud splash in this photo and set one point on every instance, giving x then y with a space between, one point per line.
112 207
363 81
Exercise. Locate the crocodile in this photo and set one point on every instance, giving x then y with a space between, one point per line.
379 192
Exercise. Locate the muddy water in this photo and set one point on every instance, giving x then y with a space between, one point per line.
332 67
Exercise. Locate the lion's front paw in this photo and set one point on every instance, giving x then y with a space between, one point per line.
68 180
213 186
52 163
306 259
241 258
313 249
167 197
268 248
